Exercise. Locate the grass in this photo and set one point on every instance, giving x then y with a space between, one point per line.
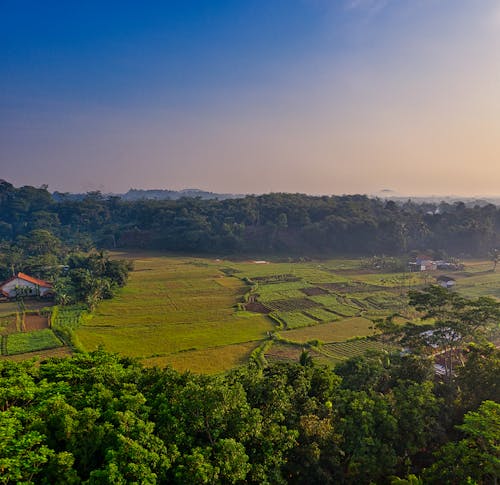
40 354
174 304
295 319
207 361
480 284
332 332
19 343
322 314
183 311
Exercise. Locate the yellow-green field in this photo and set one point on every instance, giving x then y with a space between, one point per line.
187 312
332 332
208 315
208 361
173 308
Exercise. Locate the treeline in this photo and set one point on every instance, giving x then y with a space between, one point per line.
101 419
286 223
90 278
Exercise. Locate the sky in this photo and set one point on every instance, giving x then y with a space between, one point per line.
254 96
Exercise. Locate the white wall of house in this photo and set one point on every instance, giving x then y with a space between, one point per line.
11 288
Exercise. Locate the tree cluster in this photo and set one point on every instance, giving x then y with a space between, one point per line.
90 278
291 223
100 419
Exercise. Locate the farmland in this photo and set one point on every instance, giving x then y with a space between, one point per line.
25 330
22 342
210 315
171 310
207 315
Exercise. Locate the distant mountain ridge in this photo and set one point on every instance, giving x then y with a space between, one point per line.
164 194
133 195
152 194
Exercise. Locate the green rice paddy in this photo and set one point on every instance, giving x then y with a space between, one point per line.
208 315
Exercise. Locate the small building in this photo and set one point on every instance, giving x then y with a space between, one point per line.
25 285
446 281
423 263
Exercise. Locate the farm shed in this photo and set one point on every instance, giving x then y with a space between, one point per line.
423 263
26 285
446 281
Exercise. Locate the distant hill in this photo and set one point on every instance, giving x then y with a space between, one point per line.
468 201
152 194
162 194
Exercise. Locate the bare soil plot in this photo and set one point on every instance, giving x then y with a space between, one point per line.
314 291
11 306
257 307
283 352
35 322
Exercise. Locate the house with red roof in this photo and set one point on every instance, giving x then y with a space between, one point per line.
27 286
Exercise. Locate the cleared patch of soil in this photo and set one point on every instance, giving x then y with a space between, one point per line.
283 352
257 307
35 322
314 291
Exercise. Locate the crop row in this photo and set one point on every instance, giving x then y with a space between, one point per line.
21 342
295 319
291 305
352 348
322 314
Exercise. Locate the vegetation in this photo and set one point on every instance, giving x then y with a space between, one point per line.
372 414
172 309
99 418
274 223
21 342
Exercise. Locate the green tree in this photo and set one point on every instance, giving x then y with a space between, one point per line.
477 455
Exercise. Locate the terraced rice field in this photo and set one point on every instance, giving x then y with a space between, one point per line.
339 351
208 315
175 308
332 332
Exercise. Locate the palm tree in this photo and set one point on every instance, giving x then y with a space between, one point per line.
495 257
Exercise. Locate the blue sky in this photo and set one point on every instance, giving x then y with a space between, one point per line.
312 96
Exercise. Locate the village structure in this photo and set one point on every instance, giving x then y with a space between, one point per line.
25 285
446 281
426 263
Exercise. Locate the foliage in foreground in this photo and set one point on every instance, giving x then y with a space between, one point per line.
97 418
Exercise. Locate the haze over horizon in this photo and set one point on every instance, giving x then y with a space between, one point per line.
310 96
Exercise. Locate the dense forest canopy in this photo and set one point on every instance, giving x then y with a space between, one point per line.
101 419
273 223
385 417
